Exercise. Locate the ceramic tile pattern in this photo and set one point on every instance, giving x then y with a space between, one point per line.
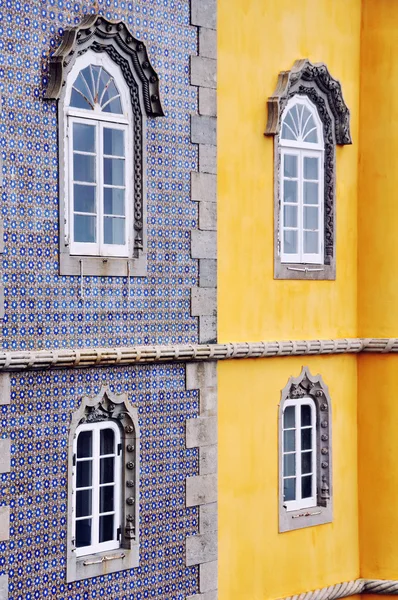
44 310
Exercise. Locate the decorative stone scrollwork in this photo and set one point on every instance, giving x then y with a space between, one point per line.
314 387
97 30
315 82
306 76
116 408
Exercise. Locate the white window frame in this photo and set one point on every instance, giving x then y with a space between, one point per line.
300 502
101 119
301 150
97 546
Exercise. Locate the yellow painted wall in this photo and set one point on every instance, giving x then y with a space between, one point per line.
378 206
378 466
378 289
255 561
256 40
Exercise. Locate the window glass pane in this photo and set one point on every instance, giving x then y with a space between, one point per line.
107 441
114 142
83 137
311 137
83 533
310 134
106 528
311 217
78 101
83 167
306 462
290 166
310 168
106 470
306 415
84 228
289 417
114 171
84 198
114 107
306 439
310 193
287 133
83 503
289 440
110 92
114 230
106 498
291 121
83 473
290 215
311 242
289 464
306 486
290 242
289 489
84 444
114 201
290 191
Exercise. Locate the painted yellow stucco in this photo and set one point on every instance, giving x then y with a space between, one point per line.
255 561
257 40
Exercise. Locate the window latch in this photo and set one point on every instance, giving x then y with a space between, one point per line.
305 269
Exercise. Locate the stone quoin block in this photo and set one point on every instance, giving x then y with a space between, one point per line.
207 273
203 72
208 460
201 432
201 489
207 102
203 244
207 43
203 301
203 187
201 548
208 329
207 216
203 130
208 517
204 13
207 159
5 456
208 576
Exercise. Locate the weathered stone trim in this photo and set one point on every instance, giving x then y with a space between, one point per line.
3 587
201 490
4 523
204 183
315 82
314 387
350 588
103 407
11 361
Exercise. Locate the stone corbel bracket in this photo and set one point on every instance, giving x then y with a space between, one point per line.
95 29
304 75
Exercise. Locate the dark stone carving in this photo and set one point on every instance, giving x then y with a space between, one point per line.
100 35
317 76
96 29
313 387
315 82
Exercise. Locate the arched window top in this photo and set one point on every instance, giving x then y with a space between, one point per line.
95 89
301 123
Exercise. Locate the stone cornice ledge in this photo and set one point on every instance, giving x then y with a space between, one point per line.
350 588
102 357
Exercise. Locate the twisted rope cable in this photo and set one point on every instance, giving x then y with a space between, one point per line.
350 588
339 590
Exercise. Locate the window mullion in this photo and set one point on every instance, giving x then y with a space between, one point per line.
95 495
298 453
100 172
300 201
314 453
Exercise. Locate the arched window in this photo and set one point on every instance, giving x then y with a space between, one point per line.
299 453
99 182
103 487
302 191
307 116
107 88
305 453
